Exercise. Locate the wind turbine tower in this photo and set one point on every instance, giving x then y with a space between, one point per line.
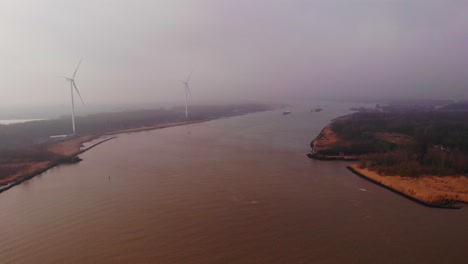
73 86
187 92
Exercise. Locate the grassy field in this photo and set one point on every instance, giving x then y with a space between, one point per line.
427 188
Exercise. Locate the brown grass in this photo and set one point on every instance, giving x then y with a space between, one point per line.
326 139
69 147
21 169
396 138
12 171
430 189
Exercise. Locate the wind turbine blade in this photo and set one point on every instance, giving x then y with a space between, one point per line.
77 69
78 92
190 75
188 89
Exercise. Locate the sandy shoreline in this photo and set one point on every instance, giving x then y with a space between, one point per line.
432 191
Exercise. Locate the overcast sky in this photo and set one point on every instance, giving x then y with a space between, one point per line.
137 51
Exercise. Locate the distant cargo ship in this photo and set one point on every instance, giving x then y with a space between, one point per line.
286 112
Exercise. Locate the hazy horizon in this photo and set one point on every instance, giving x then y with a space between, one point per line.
138 51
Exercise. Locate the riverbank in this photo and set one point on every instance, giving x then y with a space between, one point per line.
441 190
326 140
146 128
432 191
67 151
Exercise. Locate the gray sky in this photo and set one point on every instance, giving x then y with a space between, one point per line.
137 51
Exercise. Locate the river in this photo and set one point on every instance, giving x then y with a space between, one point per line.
233 190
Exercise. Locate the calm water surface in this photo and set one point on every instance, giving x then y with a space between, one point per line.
234 190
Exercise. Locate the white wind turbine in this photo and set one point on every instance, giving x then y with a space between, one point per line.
187 92
73 85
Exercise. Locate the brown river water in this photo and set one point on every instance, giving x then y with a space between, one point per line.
233 190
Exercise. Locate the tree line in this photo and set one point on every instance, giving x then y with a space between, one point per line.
440 143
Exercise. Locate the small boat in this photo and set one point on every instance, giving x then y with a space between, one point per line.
286 112
316 110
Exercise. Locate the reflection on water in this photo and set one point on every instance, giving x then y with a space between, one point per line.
234 190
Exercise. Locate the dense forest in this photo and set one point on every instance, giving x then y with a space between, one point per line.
438 145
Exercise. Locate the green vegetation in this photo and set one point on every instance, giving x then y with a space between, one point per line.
438 145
